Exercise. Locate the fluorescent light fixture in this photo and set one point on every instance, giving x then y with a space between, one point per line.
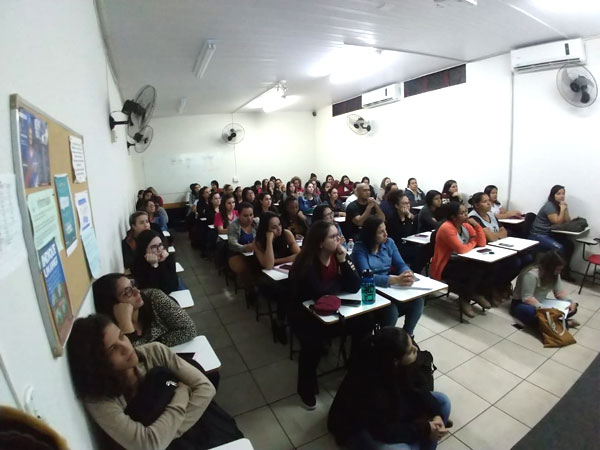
570 7
181 105
273 99
207 52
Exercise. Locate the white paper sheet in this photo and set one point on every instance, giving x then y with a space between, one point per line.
78 159
90 246
12 244
82 202
44 217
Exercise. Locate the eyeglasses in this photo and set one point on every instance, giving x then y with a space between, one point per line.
130 291
157 247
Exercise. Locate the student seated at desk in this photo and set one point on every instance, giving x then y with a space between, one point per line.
450 192
156 220
157 198
324 212
297 182
367 181
192 197
240 239
257 187
264 204
325 188
415 195
154 267
389 207
346 187
110 376
248 195
146 315
330 179
483 215
275 245
428 216
214 201
322 268
497 208
310 199
290 191
138 222
237 195
201 204
226 214
555 211
276 194
358 211
292 218
334 202
381 191
384 401
376 252
214 187
227 189
459 234
533 286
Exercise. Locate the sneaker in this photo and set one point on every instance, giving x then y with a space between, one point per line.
482 301
466 308
309 402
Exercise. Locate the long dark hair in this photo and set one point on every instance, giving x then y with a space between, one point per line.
388 188
447 185
553 191
319 211
223 211
91 372
488 189
288 192
451 210
368 232
308 258
476 198
263 227
284 213
430 196
105 298
547 263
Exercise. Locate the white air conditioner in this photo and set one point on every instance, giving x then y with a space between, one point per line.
382 96
548 56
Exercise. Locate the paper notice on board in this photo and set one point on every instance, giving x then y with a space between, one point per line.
78 159
12 245
67 212
82 202
88 237
42 209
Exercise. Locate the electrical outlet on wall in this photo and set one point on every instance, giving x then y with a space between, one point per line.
29 402
235 179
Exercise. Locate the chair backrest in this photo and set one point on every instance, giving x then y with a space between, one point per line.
529 218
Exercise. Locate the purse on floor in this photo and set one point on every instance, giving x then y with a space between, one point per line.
552 325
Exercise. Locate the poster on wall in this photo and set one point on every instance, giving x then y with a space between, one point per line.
67 211
33 137
78 159
56 288
82 202
12 245
42 210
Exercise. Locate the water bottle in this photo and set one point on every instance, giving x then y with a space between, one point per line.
350 246
367 287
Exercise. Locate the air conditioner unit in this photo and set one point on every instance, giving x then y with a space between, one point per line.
382 96
548 56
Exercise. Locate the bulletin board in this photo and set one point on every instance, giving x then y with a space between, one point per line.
42 155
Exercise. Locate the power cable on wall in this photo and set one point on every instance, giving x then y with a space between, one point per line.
512 137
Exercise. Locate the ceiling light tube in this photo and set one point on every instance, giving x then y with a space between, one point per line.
208 50
181 105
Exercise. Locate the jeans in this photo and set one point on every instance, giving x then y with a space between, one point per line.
527 313
412 313
364 441
555 242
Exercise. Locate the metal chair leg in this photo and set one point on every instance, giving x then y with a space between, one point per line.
585 275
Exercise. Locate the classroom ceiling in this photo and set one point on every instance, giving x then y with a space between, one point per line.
260 42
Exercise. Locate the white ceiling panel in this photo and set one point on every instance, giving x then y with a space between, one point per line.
260 42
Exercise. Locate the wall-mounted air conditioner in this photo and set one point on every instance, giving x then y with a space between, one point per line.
382 96
548 56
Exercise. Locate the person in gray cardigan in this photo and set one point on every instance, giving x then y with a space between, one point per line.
240 239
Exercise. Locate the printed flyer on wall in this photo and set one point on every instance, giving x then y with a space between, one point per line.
56 289
67 212
35 160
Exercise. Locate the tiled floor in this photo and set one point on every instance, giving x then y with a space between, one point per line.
501 380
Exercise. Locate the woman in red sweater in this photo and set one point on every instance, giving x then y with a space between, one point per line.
459 234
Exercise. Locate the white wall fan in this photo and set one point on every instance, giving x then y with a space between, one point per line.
357 124
233 133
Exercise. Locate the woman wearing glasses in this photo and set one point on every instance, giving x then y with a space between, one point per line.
144 315
154 267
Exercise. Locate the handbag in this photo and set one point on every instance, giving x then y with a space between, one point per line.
577 225
327 305
421 371
553 327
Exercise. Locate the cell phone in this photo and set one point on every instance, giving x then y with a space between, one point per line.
348 302
285 266
505 245
421 235
484 250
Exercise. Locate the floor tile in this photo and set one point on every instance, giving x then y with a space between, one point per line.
236 312
245 329
575 356
529 339
583 315
231 361
437 319
225 299
238 394
492 430
472 338
446 354
465 404
300 425
587 299
263 430
527 403
218 337
205 320
422 333
326 442
589 337
485 379
594 321
514 358
258 351
277 380
452 444
554 377
494 323
331 382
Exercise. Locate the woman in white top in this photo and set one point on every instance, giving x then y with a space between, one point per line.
381 191
497 209
482 213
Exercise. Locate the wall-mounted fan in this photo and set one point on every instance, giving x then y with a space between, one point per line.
138 111
233 133
358 124
141 140
577 85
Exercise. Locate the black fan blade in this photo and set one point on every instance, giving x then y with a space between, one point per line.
356 125
585 95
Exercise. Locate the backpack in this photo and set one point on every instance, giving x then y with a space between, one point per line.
577 225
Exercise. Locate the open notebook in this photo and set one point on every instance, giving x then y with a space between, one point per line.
561 305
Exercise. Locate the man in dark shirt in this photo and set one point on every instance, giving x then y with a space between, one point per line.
361 208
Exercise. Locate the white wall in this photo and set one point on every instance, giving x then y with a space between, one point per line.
189 149
53 57
433 136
